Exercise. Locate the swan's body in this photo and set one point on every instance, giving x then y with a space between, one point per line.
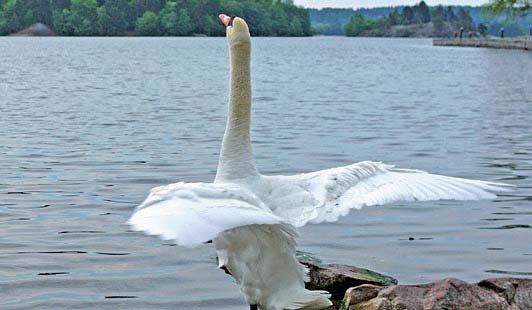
252 219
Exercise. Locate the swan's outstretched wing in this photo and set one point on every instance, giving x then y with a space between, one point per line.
328 194
194 213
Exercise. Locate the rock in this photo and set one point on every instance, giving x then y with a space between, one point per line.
38 29
492 294
361 293
336 279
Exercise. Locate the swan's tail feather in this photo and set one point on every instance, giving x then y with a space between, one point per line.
261 258
311 300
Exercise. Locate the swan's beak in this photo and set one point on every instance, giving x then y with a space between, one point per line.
226 20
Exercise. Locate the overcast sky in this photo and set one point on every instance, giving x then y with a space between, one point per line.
377 3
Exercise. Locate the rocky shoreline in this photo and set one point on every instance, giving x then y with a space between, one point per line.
354 288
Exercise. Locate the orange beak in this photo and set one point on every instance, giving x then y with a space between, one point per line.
225 19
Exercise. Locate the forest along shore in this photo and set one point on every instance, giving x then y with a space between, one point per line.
521 43
152 18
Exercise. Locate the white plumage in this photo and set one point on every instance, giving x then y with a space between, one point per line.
328 194
252 218
195 213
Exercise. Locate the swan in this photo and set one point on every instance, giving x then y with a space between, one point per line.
252 219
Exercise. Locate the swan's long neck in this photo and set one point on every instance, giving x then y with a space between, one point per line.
236 156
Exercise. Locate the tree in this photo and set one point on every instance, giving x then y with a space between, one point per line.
36 11
61 22
357 25
184 24
408 14
295 28
232 7
259 20
175 17
394 18
209 25
482 29
142 6
168 19
511 7
3 26
147 24
438 20
113 17
423 12
83 17
281 23
104 21
59 5
10 17
465 20
449 15
304 19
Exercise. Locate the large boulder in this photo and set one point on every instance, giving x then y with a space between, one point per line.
37 30
489 294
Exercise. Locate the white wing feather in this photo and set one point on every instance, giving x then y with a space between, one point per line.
328 194
194 213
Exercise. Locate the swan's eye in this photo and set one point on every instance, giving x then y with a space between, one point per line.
231 21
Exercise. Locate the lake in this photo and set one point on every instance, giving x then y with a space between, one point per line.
90 125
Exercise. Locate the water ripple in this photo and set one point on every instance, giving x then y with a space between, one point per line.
90 125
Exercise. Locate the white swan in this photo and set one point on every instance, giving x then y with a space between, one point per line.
251 218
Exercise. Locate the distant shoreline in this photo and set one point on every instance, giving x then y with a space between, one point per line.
312 36
42 30
518 43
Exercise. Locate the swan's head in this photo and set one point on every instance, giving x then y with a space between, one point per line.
237 30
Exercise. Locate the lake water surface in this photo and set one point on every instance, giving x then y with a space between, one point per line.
89 125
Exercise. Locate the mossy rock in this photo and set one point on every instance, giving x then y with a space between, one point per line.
336 279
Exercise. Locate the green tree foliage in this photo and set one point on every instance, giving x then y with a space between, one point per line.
439 21
450 16
83 17
408 14
61 22
357 25
113 18
16 14
168 19
142 6
510 7
174 17
445 21
482 29
59 5
442 19
147 24
10 17
465 20
395 18
331 21
184 23
422 12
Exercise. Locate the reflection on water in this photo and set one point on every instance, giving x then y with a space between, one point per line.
89 125
513 273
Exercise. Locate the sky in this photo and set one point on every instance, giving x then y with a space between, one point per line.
379 3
